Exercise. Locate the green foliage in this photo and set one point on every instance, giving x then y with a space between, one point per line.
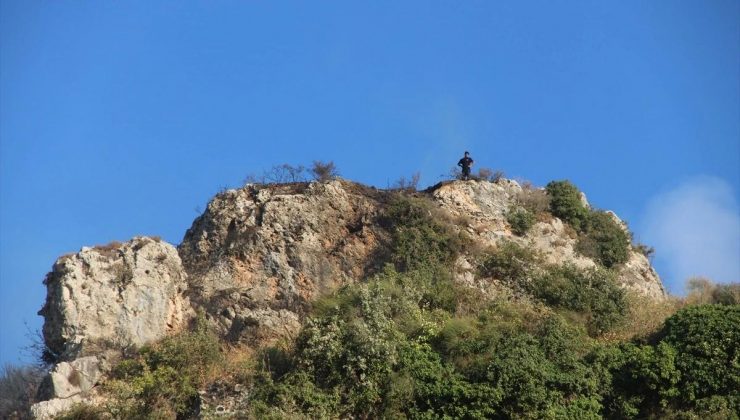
707 339
600 236
510 263
164 377
520 220
421 238
692 372
381 351
592 293
604 240
565 203
646 250
638 379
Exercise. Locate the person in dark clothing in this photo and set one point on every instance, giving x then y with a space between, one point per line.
465 163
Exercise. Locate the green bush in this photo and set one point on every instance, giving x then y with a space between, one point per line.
380 350
565 203
635 380
164 377
520 220
691 372
591 293
707 339
510 263
420 235
604 240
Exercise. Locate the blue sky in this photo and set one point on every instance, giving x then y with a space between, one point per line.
123 118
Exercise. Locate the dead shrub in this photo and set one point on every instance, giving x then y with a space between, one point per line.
324 171
109 250
488 174
18 386
704 291
407 185
535 200
644 317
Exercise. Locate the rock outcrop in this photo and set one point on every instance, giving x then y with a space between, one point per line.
256 258
484 206
259 254
69 379
112 296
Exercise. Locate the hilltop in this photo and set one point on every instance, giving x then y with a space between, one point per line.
335 299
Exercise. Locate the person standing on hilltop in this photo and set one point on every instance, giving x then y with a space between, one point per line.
465 163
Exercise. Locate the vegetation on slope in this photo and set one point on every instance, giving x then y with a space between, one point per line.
600 236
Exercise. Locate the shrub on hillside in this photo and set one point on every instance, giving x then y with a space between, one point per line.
590 293
163 379
407 185
487 174
324 171
377 352
510 263
646 250
637 380
705 291
707 339
604 240
421 236
535 200
82 411
520 220
690 373
565 203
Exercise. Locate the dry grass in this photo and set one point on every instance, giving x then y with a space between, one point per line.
463 220
237 364
572 233
644 318
534 199
704 291
109 250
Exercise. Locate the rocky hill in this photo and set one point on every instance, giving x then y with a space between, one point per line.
259 256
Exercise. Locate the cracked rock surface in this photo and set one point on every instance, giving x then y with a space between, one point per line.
113 296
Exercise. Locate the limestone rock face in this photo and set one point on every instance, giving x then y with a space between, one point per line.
259 254
108 297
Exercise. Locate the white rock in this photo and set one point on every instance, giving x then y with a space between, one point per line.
113 296
47 410
68 379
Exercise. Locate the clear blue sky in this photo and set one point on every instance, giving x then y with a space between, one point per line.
123 118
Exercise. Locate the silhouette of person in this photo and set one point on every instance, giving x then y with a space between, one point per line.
465 163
